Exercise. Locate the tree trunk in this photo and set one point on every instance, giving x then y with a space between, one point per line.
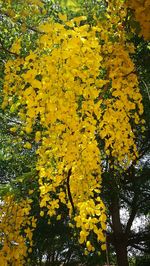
120 238
121 253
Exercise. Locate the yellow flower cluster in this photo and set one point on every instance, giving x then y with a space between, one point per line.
80 85
58 85
123 105
16 46
91 216
141 9
120 107
69 69
15 218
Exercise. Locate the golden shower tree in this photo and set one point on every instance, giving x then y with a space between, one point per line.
77 93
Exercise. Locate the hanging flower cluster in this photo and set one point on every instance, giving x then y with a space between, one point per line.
79 86
16 229
141 9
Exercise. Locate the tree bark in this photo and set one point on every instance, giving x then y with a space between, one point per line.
121 253
120 238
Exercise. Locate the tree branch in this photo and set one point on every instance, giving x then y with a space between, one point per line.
6 50
69 191
146 89
132 215
140 248
136 238
21 22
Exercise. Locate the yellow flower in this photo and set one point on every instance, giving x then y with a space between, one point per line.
27 145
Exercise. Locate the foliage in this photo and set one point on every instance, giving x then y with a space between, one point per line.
14 158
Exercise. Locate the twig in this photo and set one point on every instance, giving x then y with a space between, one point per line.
22 22
146 89
107 254
68 189
6 50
